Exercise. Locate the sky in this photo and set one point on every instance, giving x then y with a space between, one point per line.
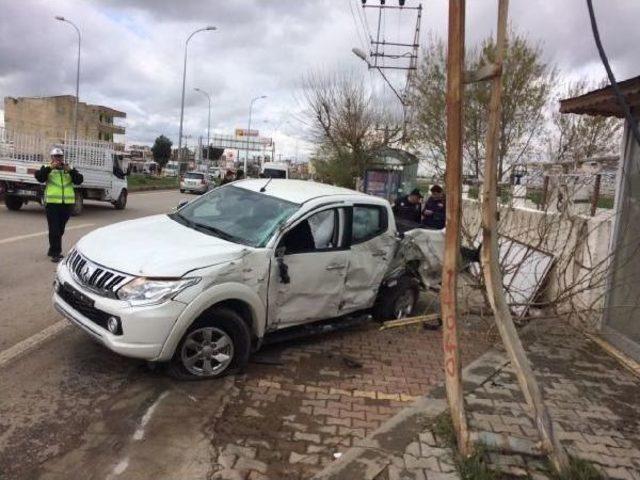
133 52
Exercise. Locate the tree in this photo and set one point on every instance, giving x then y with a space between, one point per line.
345 123
161 150
574 137
526 85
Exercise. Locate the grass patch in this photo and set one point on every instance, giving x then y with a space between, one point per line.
474 467
136 181
579 469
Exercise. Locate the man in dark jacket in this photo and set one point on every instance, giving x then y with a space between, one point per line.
59 197
408 207
434 211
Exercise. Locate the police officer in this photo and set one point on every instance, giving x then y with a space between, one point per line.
59 197
409 207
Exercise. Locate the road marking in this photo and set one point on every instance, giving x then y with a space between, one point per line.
45 232
139 433
32 342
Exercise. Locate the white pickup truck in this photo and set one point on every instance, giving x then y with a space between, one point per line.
103 167
201 288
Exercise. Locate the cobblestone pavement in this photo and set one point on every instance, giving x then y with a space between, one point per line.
593 401
305 403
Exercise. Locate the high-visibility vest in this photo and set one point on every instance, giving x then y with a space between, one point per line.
59 188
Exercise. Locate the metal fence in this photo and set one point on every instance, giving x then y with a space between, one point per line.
33 148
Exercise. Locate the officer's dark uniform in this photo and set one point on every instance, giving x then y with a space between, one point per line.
59 197
406 210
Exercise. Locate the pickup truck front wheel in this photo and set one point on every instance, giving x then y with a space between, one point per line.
212 347
397 299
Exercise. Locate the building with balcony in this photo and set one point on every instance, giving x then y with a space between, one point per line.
52 117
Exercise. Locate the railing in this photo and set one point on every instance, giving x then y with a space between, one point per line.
33 148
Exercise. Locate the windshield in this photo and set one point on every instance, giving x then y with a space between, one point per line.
274 173
199 176
237 215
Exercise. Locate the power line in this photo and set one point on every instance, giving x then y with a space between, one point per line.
363 43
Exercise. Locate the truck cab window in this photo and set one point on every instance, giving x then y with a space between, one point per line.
369 221
319 232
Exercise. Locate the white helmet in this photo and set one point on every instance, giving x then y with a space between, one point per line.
56 151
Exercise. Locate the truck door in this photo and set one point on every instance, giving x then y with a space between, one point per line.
372 248
316 259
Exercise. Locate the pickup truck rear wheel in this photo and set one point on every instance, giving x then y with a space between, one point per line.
12 202
213 346
396 300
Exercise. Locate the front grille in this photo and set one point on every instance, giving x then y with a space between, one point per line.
94 277
84 305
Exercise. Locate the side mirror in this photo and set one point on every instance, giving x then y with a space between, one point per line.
182 204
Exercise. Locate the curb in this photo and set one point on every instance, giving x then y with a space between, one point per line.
150 188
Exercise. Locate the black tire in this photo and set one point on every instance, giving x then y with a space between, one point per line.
217 319
78 204
13 203
393 295
121 202
182 190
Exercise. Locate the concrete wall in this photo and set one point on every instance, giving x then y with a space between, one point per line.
580 246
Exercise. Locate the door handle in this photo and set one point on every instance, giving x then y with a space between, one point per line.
335 267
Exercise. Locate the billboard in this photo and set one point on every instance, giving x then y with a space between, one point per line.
243 132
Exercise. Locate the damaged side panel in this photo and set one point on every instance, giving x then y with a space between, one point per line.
314 290
426 247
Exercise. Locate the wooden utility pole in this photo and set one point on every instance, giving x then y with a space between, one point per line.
453 183
491 266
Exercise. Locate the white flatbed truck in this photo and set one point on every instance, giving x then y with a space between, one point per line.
103 167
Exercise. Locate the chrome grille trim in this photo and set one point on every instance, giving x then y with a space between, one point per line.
95 277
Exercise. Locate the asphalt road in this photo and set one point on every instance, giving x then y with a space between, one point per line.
26 273
70 408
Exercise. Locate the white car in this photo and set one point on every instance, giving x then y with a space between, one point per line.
196 182
200 288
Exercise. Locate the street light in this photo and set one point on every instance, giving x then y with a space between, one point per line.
184 76
249 129
75 111
363 56
208 119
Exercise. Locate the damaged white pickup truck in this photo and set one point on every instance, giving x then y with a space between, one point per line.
201 288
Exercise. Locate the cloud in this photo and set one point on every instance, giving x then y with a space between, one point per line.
132 53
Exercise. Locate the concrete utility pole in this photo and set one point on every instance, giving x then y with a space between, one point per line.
184 76
75 111
453 183
249 130
208 120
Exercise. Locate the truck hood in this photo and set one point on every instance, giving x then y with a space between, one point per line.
156 246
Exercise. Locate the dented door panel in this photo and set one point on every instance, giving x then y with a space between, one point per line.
314 290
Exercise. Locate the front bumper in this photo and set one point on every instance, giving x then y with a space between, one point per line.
144 329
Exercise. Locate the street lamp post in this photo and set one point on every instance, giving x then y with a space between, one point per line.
249 130
208 119
363 56
184 76
75 111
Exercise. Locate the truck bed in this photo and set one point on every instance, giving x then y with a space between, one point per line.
23 172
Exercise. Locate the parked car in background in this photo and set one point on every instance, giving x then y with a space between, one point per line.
171 169
200 288
194 182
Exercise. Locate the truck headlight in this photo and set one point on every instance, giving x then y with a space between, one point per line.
148 291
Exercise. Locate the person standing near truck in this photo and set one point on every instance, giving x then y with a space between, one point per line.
59 197
434 211
409 207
